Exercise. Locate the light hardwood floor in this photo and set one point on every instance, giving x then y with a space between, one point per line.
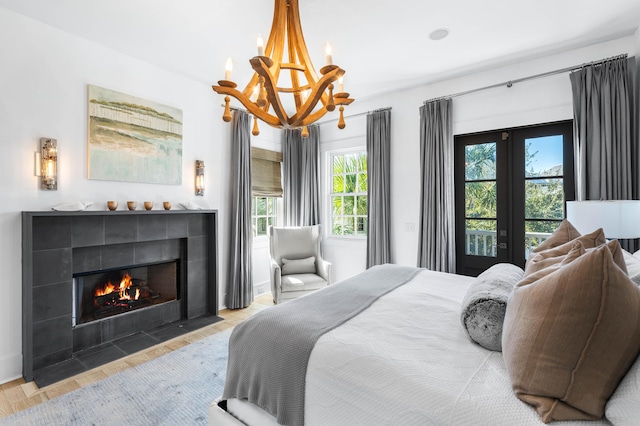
17 395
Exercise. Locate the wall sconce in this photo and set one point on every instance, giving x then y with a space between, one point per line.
47 164
199 177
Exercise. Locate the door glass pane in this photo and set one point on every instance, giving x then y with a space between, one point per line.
544 199
544 196
480 161
480 199
480 237
543 156
536 232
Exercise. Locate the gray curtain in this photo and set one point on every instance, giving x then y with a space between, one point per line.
240 283
602 97
605 145
436 238
378 187
300 183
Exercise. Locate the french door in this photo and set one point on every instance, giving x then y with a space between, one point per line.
511 189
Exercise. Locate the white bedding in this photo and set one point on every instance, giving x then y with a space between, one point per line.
407 361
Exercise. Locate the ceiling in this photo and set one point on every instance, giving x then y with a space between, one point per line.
382 44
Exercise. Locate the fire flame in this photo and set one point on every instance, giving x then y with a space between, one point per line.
121 288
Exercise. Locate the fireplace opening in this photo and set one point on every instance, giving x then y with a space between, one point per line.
102 294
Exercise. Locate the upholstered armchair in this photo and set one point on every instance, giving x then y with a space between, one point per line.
297 267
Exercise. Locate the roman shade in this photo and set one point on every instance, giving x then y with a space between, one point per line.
266 173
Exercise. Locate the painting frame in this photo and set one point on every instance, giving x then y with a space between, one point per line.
131 139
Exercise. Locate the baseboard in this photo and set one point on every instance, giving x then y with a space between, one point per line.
258 290
10 368
262 288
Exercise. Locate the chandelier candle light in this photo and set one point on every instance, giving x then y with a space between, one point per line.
312 95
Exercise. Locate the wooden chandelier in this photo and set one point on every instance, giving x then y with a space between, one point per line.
313 97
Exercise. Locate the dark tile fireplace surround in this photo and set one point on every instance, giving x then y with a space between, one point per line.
57 246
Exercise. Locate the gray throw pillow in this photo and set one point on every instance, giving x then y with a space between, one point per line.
485 304
299 266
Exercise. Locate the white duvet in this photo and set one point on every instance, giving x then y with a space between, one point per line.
407 361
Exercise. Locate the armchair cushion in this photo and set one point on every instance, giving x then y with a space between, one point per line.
299 266
302 282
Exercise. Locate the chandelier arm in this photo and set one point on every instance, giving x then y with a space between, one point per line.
295 81
270 86
250 106
296 34
248 90
276 35
317 115
314 97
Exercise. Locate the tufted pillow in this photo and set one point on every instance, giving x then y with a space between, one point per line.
564 233
299 266
485 303
570 336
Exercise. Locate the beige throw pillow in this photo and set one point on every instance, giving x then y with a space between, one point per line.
564 233
569 337
568 252
554 256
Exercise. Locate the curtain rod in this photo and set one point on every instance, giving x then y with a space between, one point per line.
531 77
356 115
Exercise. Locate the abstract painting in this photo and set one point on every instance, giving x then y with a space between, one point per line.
133 139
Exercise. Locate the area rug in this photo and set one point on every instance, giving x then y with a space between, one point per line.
174 389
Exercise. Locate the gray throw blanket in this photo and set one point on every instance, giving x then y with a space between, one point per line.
269 352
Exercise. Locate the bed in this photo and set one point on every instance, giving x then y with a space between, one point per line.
402 359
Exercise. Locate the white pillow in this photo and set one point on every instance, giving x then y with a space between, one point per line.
299 266
623 408
633 265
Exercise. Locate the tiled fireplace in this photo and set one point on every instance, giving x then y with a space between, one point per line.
95 277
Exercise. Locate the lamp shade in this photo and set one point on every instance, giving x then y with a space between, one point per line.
618 218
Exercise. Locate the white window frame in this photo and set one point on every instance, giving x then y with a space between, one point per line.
330 194
255 216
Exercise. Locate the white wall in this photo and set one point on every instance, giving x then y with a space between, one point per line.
535 101
43 87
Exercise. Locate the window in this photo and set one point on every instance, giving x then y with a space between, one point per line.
263 215
266 187
349 194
